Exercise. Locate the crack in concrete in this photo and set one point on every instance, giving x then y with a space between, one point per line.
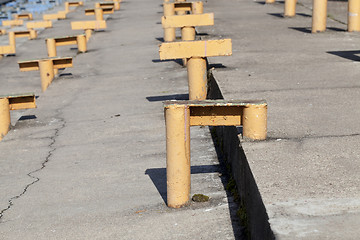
30 174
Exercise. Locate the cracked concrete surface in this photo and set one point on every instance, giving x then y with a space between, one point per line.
97 143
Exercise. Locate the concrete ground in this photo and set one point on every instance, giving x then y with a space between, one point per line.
307 171
89 162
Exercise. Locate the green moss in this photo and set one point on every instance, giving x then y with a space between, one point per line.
200 198
242 215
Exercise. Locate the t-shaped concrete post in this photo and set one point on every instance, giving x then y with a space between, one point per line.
180 115
46 66
13 102
196 53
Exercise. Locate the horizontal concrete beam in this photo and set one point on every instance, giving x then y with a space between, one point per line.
39 24
193 20
33 65
83 25
21 101
210 48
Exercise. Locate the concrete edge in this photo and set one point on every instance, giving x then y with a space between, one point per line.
252 209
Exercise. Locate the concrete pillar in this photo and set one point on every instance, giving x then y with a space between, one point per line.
4 117
254 121
197 77
319 16
46 73
177 118
354 16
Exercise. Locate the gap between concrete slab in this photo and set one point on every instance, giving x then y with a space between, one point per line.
252 210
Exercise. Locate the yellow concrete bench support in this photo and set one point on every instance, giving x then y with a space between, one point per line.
2 31
181 115
180 8
13 102
55 16
46 67
27 16
196 53
72 4
31 34
39 24
99 12
79 40
12 23
115 5
187 23
11 48
353 16
193 7
319 16
88 26
290 8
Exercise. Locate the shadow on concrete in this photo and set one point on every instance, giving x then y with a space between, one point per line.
201 34
27 117
350 55
158 176
216 65
168 97
178 61
308 29
160 39
279 15
336 29
301 29
303 15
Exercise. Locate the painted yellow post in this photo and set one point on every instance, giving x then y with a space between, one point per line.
178 175
196 52
354 16
97 5
197 77
99 14
254 121
4 117
197 8
180 12
81 41
169 33
116 5
187 34
290 8
319 16
51 47
46 73
12 42
67 7
33 34
88 33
